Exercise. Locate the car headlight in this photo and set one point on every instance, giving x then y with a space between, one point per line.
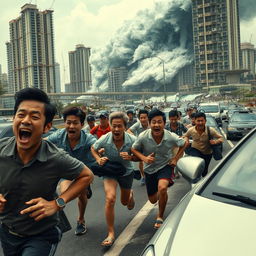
149 251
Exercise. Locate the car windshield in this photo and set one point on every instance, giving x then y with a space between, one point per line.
238 175
209 109
246 117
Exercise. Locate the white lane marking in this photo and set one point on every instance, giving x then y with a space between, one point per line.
228 141
124 238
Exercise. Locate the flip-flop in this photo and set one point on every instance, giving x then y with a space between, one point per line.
131 205
107 242
158 223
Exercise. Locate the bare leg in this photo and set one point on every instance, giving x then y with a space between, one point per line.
153 198
82 199
110 193
163 196
127 198
82 202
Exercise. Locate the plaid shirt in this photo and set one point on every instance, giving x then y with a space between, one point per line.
181 129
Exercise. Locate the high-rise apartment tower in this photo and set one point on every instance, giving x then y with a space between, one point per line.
248 59
216 34
30 52
79 69
116 77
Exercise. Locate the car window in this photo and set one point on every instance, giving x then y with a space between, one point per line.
237 117
209 109
238 174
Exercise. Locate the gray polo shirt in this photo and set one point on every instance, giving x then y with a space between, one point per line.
20 183
111 151
146 144
137 128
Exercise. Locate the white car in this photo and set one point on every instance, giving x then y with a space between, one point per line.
218 216
212 109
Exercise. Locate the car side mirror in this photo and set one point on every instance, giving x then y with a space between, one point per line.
221 111
191 168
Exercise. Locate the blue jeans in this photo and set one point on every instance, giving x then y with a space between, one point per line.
44 244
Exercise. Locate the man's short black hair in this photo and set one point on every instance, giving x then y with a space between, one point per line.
130 112
90 118
32 93
142 111
173 113
156 112
74 111
193 115
200 114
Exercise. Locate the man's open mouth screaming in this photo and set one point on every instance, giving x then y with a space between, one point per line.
25 135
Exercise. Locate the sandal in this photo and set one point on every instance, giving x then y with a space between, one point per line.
107 242
158 223
131 203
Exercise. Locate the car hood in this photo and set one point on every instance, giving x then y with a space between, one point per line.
211 228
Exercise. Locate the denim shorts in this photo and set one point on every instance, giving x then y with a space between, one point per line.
124 182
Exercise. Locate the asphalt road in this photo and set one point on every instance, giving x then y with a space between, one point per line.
133 228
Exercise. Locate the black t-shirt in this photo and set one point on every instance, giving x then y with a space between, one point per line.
20 183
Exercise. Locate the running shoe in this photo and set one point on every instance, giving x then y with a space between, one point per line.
80 229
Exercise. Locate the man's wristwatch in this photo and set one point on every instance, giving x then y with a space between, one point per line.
60 202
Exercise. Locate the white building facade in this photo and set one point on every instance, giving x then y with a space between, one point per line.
30 52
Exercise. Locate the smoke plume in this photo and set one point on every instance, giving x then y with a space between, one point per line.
155 39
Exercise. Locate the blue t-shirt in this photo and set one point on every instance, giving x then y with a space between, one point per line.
82 151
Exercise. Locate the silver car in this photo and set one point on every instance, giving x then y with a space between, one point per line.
217 217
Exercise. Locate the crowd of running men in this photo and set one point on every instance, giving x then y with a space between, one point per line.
68 157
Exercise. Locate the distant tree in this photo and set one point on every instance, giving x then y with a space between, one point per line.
74 105
59 106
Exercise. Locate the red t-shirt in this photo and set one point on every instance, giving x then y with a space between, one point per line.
99 131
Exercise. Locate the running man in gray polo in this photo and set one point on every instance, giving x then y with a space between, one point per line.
117 147
155 148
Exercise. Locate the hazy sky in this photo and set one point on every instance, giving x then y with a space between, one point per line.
90 22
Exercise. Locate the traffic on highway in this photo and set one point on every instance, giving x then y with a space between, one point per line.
205 202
